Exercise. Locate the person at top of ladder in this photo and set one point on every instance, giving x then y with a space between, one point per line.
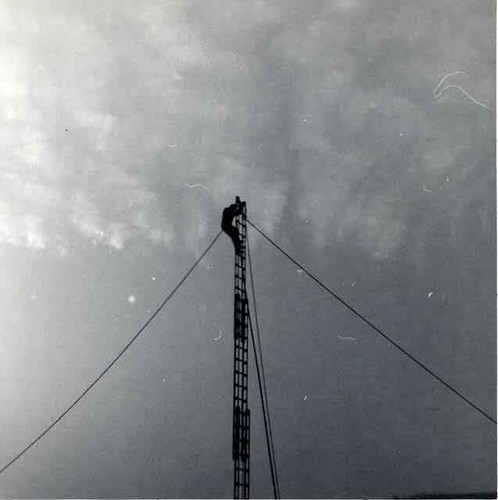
229 213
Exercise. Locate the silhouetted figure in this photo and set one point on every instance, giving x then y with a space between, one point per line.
229 213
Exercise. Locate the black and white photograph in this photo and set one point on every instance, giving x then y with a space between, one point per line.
248 249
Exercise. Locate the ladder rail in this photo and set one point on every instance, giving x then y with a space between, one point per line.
241 412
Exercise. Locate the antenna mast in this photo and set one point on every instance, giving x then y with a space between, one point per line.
241 413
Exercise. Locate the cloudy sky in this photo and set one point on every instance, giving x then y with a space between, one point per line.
361 134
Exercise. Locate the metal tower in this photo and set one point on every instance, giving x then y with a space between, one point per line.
241 413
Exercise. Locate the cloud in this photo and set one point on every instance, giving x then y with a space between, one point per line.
108 111
89 114
63 173
372 131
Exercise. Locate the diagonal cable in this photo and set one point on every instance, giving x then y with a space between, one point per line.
112 363
265 419
273 462
377 330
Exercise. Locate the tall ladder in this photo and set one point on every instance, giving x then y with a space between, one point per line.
241 413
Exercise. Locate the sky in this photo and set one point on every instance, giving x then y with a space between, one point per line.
361 135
